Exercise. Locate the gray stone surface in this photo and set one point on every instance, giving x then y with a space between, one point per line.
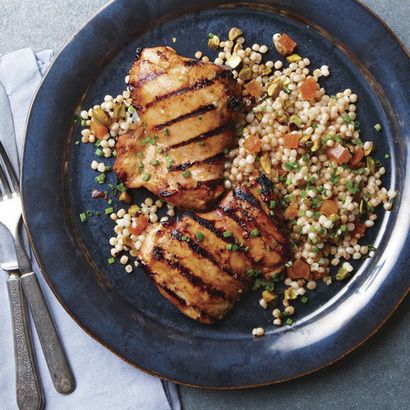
376 376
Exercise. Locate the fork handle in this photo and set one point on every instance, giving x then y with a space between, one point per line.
59 368
29 391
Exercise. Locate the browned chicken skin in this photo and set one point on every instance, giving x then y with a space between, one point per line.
187 110
201 262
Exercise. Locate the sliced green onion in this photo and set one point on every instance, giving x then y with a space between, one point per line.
111 261
109 210
378 127
289 321
83 217
304 299
100 179
199 236
186 174
89 213
272 204
155 162
227 234
99 152
346 118
146 176
255 233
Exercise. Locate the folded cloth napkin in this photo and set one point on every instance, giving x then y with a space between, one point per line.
103 380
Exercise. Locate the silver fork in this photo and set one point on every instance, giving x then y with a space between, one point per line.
21 271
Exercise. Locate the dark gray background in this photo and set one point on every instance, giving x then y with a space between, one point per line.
376 376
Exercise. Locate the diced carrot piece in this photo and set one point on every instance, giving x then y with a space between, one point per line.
291 211
359 229
286 44
339 153
308 89
254 88
291 141
253 144
98 130
357 156
299 270
329 207
142 223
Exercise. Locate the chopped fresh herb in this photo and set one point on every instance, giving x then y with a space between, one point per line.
111 261
140 166
199 236
146 177
346 118
168 162
83 217
254 233
378 127
352 188
227 234
233 247
304 299
99 152
166 131
109 210
289 321
186 174
154 162
100 179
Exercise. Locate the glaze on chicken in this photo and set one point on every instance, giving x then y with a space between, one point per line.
202 261
188 111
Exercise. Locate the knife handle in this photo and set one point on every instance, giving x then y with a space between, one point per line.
58 366
29 391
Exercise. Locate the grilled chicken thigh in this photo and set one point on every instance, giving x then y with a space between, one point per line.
187 110
202 262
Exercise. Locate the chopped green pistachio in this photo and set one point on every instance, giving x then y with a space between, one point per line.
83 217
199 236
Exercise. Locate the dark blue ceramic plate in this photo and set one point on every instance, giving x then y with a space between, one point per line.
124 311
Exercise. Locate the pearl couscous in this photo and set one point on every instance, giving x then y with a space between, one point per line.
307 142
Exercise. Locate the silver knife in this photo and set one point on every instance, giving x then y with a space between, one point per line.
60 371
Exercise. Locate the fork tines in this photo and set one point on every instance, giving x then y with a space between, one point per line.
7 175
